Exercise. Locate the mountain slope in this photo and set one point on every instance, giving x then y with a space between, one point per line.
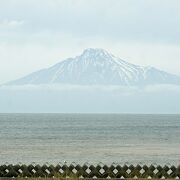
98 67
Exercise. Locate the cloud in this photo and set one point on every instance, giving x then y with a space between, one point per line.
11 23
64 87
90 99
120 20
113 89
162 88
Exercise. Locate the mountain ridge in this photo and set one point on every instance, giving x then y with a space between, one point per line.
98 67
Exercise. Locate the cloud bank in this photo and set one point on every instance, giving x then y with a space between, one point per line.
90 99
109 88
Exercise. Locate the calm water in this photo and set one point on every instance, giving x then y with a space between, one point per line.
90 138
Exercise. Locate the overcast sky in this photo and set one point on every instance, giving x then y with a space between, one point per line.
38 33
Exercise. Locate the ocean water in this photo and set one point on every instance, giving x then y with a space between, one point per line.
92 138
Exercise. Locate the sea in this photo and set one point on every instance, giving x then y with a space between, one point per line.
90 138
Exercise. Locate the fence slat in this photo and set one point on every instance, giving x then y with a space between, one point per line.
91 171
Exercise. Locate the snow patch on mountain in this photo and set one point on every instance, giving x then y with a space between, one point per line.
98 67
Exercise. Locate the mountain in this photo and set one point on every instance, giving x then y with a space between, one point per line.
98 67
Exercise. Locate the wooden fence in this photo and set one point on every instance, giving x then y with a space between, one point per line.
113 171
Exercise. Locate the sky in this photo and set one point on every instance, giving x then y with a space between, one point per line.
35 34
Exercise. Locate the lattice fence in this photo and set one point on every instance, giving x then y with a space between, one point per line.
90 171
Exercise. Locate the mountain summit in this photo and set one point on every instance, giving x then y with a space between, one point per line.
98 67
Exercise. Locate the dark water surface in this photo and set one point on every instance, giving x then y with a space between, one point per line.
90 138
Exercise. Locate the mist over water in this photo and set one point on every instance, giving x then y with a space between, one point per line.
90 138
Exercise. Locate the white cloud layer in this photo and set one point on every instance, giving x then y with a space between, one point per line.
10 23
90 99
126 90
